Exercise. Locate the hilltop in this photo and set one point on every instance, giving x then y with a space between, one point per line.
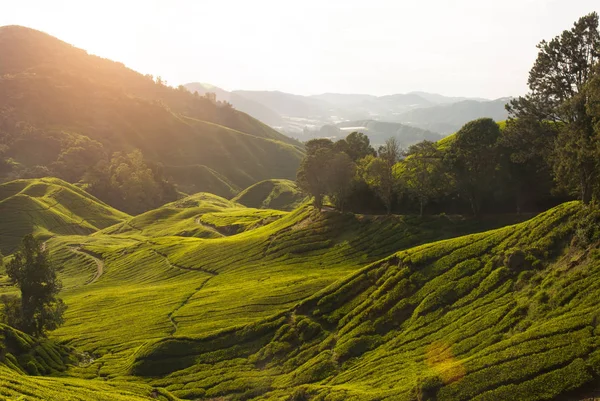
59 102
47 207
272 194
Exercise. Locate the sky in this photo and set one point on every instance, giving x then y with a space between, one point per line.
476 48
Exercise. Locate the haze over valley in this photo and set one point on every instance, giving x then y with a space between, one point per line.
307 117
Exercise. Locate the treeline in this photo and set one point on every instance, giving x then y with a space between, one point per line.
126 181
547 152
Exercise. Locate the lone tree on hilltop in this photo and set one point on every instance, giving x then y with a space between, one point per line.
38 310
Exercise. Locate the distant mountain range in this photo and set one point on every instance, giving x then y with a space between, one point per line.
302 116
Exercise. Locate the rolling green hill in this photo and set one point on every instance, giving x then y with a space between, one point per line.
47 207
272 194
502 315
206 298
57 97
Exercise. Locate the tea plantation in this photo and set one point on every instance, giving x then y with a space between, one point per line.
206 298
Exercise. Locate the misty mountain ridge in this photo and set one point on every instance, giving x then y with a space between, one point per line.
301 116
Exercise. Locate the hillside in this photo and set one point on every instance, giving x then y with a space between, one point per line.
200 265
207 298
255 109
48 207
379 131
272 194
503 315
70 99
448 118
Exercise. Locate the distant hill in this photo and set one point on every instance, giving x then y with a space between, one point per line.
441 99
68 97
379 131
300 116
272 194
287 104
448 118
241 103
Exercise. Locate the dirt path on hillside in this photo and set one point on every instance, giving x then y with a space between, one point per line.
184 303
176 266
99 262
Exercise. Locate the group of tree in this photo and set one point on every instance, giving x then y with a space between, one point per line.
37 309
548 151
127 181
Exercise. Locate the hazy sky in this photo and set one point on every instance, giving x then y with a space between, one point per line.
454 47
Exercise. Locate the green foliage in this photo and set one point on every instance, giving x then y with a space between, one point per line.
562 96
356 145
588 226
130 184
326 170
422 173
472 158
31 271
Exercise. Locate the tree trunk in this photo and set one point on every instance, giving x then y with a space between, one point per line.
421 208
586 191
318 202
474 206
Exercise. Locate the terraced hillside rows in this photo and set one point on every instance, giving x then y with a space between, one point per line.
503 315
205 298
48 207
272 194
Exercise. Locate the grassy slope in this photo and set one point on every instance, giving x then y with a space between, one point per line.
153 285
261 309
47 207
272 194
22 358
461 319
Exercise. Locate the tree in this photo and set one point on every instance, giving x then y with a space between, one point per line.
473 158
422 173
526 146
378 172
130 183
38 310
320 143
558 84
312 174
340 172
358 146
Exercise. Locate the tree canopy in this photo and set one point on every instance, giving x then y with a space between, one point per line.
38 309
